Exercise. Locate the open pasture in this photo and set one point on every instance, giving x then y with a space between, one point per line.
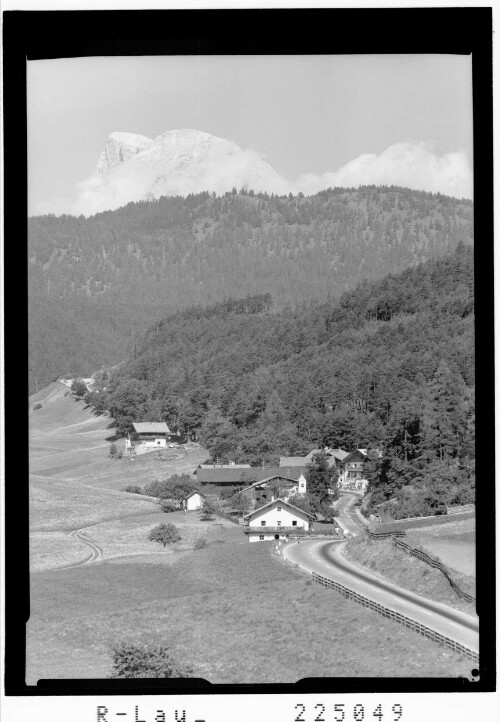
454 544
210 607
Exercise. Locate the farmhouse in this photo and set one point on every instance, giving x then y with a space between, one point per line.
335 457
147 436
193 501
280 485
275 520
351 474
234 475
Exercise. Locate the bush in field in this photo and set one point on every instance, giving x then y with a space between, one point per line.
207 511
113 451
141 661
164 534
79 388
133 489
36 407
200 542
177 486
168 505
240 503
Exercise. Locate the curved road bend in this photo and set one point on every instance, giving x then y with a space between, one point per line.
325 559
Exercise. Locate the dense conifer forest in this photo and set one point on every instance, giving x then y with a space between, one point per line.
96 284
389 367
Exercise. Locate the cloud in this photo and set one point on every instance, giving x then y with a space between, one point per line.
408 164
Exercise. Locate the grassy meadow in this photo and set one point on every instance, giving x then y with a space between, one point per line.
233 611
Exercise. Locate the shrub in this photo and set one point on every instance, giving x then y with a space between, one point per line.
200 542
207 511
113 451
78 388
164 534
168 505
141 661
36 407
133 489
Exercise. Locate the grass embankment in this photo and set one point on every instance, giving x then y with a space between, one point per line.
454 544
383 558
232 611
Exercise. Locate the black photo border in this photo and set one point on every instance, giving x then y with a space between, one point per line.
31 35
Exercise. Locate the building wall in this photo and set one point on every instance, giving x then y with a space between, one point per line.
194 502
255 537
272 516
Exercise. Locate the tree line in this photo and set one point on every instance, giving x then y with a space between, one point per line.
96 283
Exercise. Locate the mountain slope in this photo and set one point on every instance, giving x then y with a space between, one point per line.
97 283
391 366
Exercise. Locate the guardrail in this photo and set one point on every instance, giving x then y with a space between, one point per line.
433 563
396 616
385 534
416 521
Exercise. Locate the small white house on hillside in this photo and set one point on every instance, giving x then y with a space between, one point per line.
194 501
275 520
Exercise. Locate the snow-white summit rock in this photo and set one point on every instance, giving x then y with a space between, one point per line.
119 148
134 167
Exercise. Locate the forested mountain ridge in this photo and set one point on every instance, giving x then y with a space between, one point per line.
388 366
107 277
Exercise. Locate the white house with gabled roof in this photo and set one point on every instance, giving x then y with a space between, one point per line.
194 501
275 520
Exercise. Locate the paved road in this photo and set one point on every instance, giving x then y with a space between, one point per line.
349 516
325 559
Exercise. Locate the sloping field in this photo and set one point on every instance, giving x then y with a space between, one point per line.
64 434
454 544
232 611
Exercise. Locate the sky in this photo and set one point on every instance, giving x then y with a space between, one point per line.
317 120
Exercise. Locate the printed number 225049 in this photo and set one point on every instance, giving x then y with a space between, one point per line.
342 712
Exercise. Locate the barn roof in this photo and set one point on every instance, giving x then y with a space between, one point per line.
269 478
234 475
282 502
193 493
151 427
293 461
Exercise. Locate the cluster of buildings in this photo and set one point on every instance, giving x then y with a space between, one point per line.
348 466
270 490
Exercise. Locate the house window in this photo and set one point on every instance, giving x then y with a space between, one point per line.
294 523
279 508
261 537
263 523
